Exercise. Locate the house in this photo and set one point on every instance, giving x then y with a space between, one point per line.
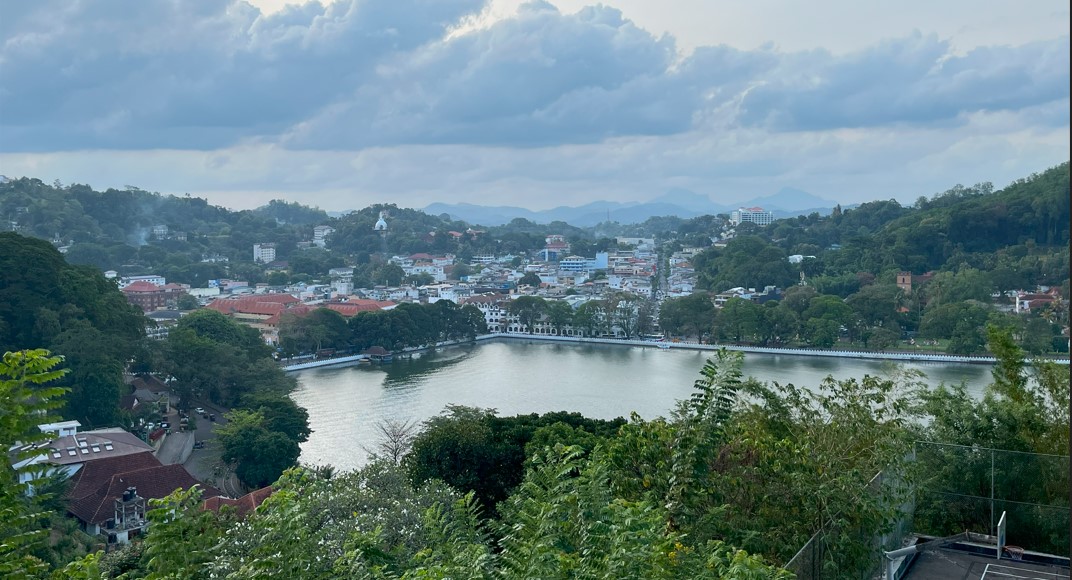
150 296
263 253
111 474
243 505
320 235
109 496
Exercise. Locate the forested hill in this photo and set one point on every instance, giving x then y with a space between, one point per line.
1014 233
1019 236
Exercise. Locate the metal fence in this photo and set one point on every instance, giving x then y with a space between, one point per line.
822 555
956 488
968 487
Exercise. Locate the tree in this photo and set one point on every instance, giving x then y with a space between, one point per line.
529 279
181 536
559 315
396 439
419 279
741 320
26 399
389 274
689 316
259 454
187 302
529 310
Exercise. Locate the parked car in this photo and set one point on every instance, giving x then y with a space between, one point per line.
199 411
212 417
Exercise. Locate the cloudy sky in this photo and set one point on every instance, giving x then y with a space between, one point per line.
537 104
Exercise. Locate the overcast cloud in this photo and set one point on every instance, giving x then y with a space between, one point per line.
415 101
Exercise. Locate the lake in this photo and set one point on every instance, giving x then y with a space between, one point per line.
603 381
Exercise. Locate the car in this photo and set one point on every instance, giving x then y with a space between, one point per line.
199 411
212 417
165 425
199 444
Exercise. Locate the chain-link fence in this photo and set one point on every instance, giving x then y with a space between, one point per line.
966 488
954 488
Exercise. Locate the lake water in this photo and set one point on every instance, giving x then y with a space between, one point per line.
514 377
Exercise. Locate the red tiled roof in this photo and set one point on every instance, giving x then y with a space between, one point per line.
263 304
151 482
94 474
141 286
380 304
242 505
421 256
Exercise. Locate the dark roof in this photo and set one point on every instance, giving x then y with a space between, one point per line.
242 505
90 446
153 482
376 351
95 473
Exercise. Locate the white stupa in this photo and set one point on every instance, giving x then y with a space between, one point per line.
381 224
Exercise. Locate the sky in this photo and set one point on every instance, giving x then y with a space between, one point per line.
535 104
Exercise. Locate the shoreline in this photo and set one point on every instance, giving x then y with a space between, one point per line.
857 354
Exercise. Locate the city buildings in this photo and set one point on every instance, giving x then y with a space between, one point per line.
755 215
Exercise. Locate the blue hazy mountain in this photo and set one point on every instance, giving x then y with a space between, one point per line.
683 203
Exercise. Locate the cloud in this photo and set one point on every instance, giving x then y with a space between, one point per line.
907 80
383 73
193 74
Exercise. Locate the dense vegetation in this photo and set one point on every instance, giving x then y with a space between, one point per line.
213 358
113 230
730 485
75 312
976 243
404 326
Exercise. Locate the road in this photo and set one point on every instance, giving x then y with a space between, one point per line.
205 464
175 445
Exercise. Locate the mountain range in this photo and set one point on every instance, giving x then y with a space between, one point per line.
787 202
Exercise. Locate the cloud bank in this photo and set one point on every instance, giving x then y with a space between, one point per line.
364 98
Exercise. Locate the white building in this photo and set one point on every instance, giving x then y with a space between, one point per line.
320 235
152 279
755 215
263 253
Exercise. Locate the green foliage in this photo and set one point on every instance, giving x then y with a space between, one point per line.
691 316
1023 412
214 357
260 453
181 536
321 328
529 310
75 312
474 450
26 398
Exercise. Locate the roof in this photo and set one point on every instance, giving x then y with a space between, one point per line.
94 474
263 304
93 446
141 286
242 505
953 563
153 482
149 383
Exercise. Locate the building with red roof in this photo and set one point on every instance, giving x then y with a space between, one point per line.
150 297
243 505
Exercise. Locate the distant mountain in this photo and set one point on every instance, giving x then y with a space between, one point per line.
790 200
691 200
582 216
683 203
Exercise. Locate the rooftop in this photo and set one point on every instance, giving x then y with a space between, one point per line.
953 563
93 446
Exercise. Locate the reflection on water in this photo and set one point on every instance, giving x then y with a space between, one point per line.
604 381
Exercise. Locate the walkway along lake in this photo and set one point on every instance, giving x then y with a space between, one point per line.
522 376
